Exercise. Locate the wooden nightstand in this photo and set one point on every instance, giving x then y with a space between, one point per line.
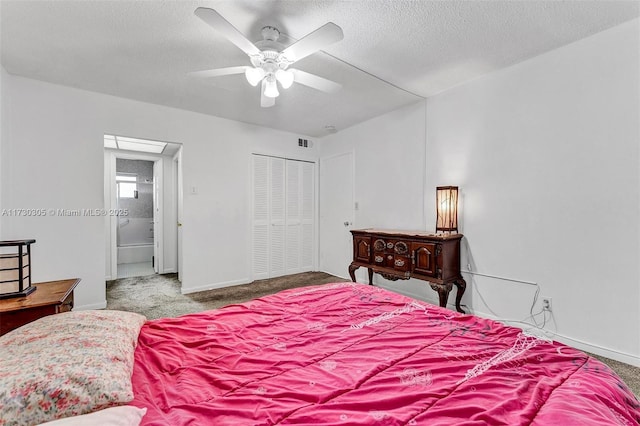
49 298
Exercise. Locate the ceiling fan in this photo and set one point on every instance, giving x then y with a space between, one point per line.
270 60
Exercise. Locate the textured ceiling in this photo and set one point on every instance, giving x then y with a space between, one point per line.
393 53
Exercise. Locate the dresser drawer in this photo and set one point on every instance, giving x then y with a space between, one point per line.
425 258
362 249
12 320
379 259
401 263
49 298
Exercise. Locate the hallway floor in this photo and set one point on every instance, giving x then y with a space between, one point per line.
128 270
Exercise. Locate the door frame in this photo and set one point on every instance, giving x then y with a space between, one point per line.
177 159
158 231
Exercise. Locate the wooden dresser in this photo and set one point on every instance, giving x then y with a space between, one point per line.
49 298
396 254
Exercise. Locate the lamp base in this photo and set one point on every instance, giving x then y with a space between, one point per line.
22 293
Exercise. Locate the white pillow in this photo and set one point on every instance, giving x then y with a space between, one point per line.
125 415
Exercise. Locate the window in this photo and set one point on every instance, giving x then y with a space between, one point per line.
133 144
127 186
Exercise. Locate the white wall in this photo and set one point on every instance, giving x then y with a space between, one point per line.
389 154
54 159
4 96
546 155
389 180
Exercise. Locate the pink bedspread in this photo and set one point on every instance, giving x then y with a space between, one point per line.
341 354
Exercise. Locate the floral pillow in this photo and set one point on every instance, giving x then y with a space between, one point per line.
66 365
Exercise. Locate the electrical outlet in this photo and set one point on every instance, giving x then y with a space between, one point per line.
546 304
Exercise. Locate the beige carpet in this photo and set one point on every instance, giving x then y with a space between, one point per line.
157 296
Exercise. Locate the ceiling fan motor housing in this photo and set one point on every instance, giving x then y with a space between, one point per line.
270 59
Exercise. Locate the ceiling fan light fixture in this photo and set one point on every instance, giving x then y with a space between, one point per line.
285 78
271 88
254 75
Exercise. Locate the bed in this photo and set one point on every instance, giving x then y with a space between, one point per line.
344 354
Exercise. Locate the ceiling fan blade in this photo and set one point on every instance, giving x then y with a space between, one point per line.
265 101
327 34
215 20
315 81
219 71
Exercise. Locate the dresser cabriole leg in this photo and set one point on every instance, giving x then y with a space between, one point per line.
352 272
461 284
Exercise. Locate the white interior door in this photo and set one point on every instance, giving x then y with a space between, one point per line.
336 213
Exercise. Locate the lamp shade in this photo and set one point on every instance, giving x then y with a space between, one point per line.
15 268
447 208
271 88
285 78
254 75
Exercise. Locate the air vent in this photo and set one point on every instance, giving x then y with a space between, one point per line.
304 143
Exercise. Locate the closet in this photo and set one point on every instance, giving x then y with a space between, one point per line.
283 216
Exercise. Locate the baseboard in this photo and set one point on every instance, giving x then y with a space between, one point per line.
625 357
91 306
214 286
415 296
339 276
169 271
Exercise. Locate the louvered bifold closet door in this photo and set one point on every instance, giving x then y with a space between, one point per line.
278 224
283 216
293 217
260 215
300 214
307 206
